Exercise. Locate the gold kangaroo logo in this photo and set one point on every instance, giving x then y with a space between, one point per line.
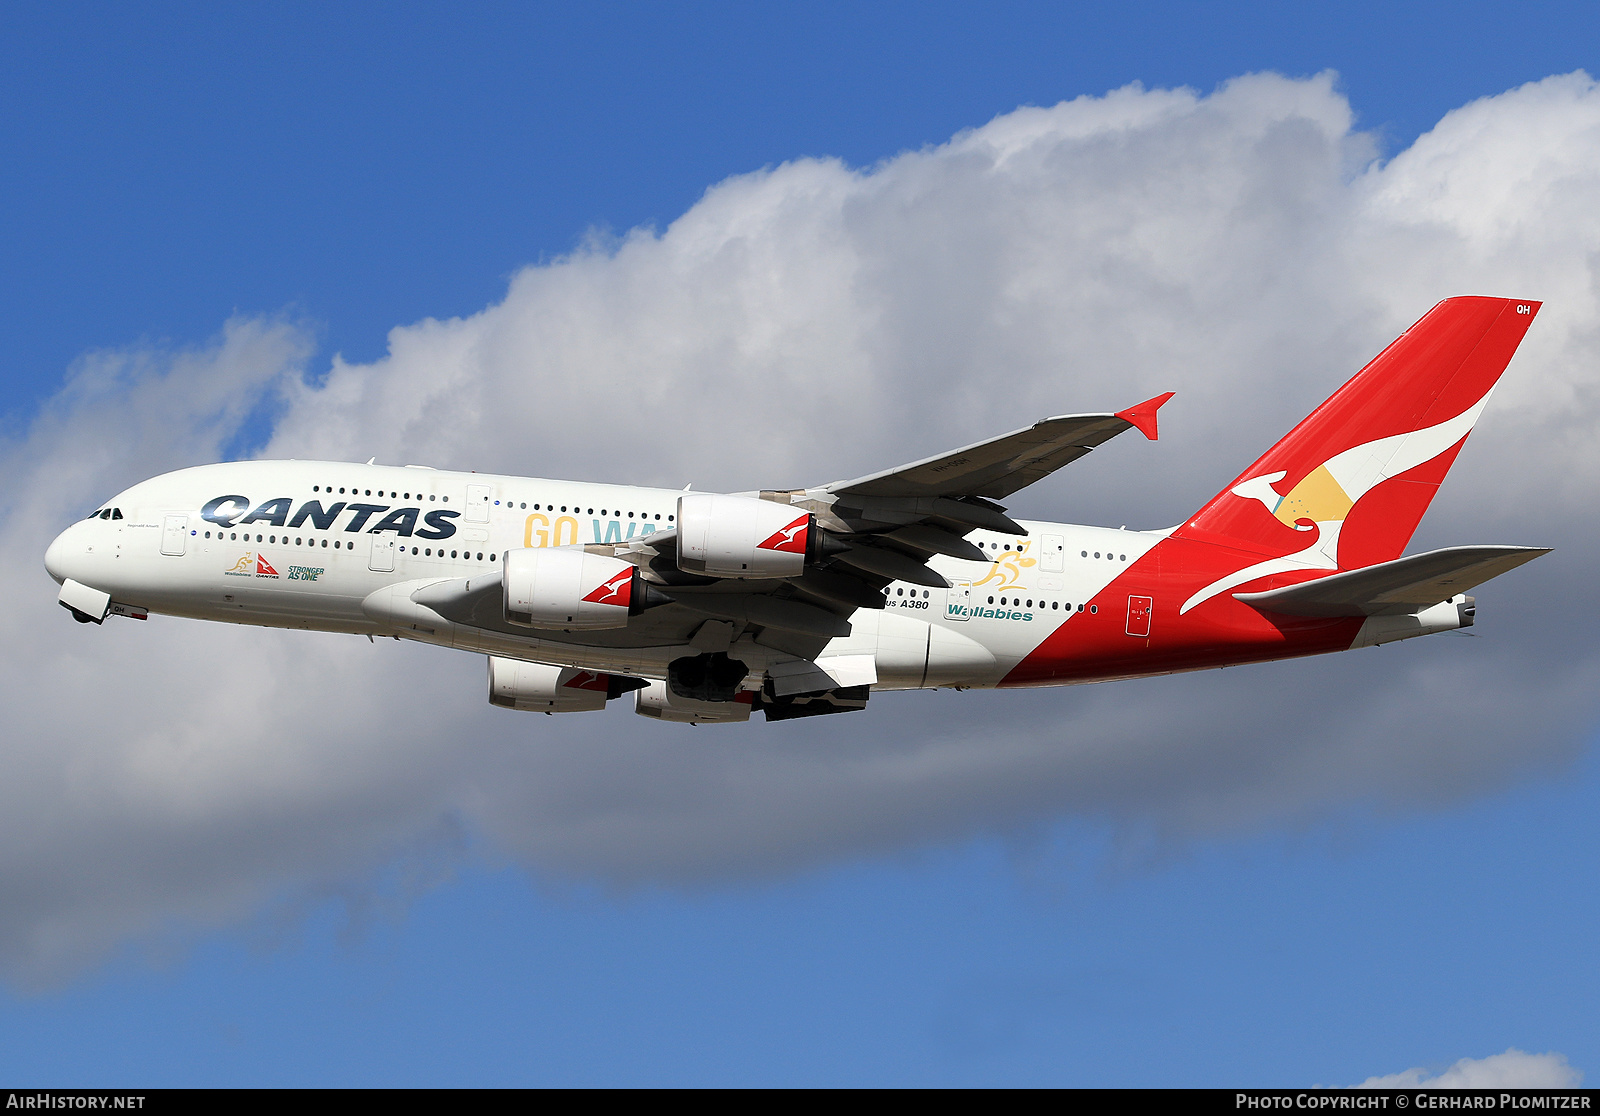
242 565
1008 567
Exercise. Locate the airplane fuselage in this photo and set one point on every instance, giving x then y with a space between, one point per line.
339 547
800 602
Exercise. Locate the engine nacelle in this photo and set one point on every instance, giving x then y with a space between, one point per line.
735 536
541 688
565 589
656 700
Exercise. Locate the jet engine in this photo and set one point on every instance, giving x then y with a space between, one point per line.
736 536
540 688
566 589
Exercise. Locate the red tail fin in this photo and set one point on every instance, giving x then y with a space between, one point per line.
1363 467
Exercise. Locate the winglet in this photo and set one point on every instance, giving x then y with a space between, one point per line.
1143 415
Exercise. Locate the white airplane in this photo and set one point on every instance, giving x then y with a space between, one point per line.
805 601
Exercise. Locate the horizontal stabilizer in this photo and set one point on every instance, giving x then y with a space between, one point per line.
1395 588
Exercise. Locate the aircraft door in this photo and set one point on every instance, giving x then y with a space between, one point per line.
382 553
1139 609
174 534
1052 556
958 601
478 503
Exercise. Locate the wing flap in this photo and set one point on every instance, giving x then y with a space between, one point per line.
1395 588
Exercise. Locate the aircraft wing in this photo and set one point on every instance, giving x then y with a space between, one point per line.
997 467
1395 588
874 530
788 618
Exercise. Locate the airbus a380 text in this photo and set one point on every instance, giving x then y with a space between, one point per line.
805 601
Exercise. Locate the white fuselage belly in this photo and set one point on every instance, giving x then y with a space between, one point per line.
331 576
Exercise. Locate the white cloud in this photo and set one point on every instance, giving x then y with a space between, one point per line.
1515 1069
801 324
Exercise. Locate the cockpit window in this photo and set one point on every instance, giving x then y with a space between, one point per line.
116 513
106 514
94 514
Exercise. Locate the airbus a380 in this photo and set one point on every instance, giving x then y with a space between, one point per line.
798 602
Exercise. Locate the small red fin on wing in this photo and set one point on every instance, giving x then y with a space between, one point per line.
1143 415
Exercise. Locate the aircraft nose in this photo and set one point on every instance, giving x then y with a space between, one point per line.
66 554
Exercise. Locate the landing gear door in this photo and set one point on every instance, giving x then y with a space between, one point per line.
382 553
958 601
174 534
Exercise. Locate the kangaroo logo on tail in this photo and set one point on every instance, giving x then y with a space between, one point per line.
1387 422
1325 497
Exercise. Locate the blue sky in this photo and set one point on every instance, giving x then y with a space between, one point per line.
360 169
